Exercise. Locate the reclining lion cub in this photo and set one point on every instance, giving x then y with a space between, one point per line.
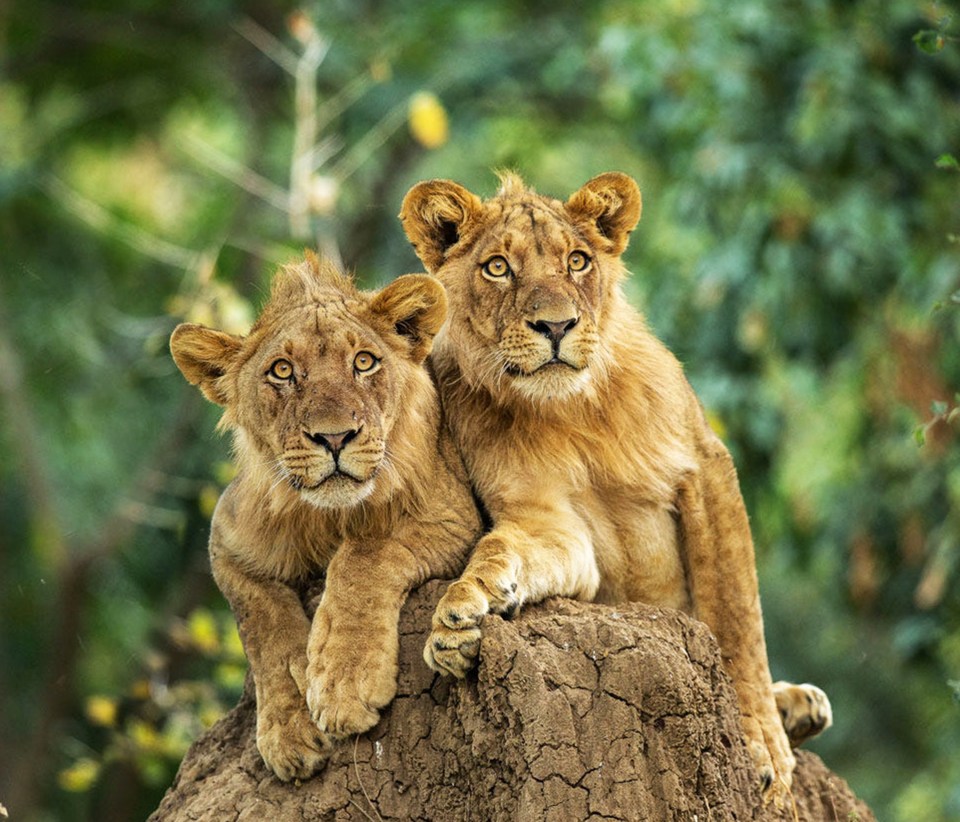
584 440
343 465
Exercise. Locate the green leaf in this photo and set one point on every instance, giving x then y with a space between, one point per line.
939 408
920 435
929 41
948 161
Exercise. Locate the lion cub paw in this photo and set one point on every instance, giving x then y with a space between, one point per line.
805 710
772 757
292 746
349 681
454 643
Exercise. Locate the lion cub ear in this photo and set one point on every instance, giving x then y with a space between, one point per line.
415 306
612 204
435 214
203 356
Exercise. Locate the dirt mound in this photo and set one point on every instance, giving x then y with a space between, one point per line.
577 712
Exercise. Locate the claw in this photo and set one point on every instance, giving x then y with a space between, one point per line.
766 780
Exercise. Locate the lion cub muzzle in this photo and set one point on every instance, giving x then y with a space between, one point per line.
334 443
554 331
333 459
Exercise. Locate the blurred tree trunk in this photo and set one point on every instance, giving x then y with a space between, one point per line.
577 712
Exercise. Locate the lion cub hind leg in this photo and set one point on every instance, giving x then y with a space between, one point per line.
725 593
805 710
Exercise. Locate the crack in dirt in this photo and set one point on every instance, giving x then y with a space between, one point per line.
575 712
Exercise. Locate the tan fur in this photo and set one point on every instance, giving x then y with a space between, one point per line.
805 710
392 510
581 434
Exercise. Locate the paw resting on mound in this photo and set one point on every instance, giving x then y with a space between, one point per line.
454 641
290 743
349 677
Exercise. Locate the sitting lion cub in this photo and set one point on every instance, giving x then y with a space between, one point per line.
584 440
343 465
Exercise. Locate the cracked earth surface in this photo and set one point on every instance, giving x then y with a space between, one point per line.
576 712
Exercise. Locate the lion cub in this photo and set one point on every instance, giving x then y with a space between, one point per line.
584 440
344 466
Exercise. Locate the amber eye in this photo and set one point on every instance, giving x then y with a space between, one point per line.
282 370
578 261
365 361
496 268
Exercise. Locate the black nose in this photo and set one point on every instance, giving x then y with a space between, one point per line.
334 443
553 331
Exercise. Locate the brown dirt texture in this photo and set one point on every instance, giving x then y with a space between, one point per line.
576 712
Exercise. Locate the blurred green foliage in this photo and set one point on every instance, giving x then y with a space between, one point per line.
798 251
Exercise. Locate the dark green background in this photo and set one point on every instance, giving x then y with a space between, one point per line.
796 252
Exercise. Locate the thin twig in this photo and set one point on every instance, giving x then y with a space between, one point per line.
364 148
356 769
334 106
324 150
257 35
96 216
304 133
237 173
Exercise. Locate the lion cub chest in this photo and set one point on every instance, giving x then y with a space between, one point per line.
626 518
637 548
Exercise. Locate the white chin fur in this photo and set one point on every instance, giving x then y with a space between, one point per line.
555 384
338 493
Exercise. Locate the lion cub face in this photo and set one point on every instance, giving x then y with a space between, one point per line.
314 389
317 396
528 277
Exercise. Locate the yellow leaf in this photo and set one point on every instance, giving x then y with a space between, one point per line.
428 120
143 735
207 500
716 423
230 676
210 714
102 710
80 776
232 644
202 629
224 471
140 689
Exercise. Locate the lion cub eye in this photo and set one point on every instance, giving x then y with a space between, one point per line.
281 370
365 362
578 262
496 268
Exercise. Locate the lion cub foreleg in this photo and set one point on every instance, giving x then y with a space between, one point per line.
274 628
354 642
538 552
